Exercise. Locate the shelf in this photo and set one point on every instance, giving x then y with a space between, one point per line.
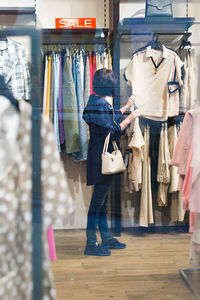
137 26
74 35
17 10
75 31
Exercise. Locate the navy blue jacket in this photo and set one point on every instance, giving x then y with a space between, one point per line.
99 114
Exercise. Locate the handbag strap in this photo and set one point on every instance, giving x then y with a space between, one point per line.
106 143
115 146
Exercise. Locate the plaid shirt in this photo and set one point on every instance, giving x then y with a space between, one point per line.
14 67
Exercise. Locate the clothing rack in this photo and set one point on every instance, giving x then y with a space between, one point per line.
140 26
75 36
89 46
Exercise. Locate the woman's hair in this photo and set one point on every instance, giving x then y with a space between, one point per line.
104 82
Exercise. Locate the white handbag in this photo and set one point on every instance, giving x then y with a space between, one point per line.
112 163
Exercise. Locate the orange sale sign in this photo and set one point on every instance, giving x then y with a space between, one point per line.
75 23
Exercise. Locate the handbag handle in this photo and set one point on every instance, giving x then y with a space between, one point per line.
106 143
115 146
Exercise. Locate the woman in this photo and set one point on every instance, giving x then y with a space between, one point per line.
102 119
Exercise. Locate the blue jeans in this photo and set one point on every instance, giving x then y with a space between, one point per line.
97 212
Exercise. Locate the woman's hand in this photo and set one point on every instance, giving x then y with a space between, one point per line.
134 114
130 101
131 117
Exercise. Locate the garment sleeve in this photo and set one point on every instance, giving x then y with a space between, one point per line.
176 81
179 65
129 74
117 114
105 118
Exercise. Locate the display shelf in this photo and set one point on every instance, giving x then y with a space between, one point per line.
17 10
130 26
74 35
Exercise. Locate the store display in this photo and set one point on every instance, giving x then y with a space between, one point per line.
66 91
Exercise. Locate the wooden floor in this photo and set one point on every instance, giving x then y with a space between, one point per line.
147 269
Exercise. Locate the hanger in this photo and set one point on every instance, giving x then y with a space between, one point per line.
185 43
154 43
4 91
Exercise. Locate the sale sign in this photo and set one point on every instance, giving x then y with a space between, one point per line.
75 23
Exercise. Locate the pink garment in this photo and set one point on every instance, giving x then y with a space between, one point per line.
182 160
186 158
195 164
51 242
183 144
186 189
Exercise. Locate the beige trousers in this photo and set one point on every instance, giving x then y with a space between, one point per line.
146 207
163 174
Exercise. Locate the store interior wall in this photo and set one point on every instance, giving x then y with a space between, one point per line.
130 202
48 10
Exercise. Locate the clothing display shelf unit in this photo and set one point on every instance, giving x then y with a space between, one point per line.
141 29
144 25
167 30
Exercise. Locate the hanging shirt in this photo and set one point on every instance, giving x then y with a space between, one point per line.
45 85
60 103
14 68
81 70
136 144
189 90
47 113
151 74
